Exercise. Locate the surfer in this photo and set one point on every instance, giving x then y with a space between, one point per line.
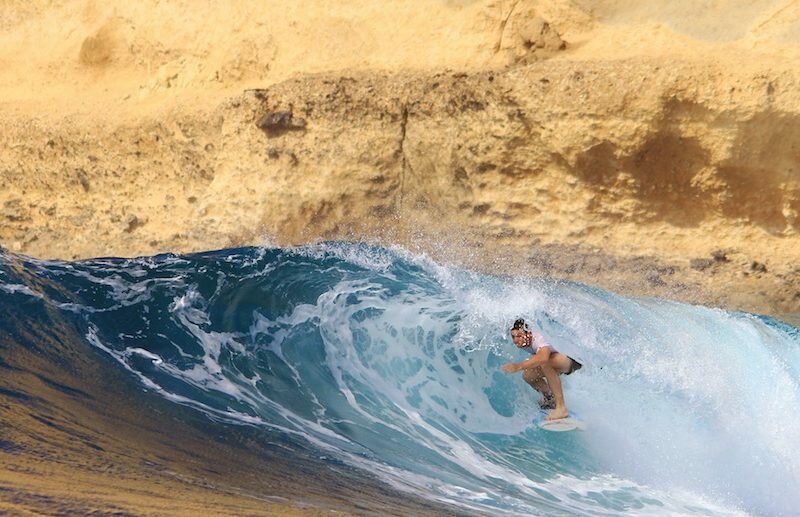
542 370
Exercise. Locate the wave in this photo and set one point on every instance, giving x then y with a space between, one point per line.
390 362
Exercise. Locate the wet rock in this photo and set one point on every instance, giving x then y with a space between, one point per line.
275 123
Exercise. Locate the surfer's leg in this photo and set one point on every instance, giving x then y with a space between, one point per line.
562 363
535 378
558 394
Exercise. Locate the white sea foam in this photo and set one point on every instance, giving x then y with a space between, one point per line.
19 289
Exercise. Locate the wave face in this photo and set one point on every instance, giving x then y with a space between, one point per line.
391 362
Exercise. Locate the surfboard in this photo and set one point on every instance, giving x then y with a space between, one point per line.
563 424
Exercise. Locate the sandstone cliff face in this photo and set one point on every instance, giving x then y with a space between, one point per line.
532 130
568 151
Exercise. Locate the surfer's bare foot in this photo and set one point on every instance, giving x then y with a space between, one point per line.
557 414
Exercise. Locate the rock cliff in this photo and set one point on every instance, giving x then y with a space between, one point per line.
652 150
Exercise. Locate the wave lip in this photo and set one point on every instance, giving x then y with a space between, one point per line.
390 362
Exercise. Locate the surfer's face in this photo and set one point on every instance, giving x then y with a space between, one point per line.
520 338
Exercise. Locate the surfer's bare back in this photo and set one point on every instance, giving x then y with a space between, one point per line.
543 369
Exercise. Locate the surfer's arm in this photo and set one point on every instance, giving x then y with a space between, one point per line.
538 359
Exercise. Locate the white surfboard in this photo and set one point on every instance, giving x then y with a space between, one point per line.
563 424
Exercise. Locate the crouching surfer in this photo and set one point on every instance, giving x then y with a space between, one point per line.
543 369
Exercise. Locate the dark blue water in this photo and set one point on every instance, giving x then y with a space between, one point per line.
390 362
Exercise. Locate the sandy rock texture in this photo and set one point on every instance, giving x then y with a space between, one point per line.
651 148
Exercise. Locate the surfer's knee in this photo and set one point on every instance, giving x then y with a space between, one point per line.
532 374
548 366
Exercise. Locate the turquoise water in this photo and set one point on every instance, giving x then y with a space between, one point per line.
391 362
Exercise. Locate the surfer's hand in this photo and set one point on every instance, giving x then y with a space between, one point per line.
510 367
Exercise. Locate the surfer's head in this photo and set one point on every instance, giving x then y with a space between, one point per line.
521 333
520 324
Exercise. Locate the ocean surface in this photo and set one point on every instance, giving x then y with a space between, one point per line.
389 362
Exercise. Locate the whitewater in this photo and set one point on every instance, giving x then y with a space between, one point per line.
388 361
